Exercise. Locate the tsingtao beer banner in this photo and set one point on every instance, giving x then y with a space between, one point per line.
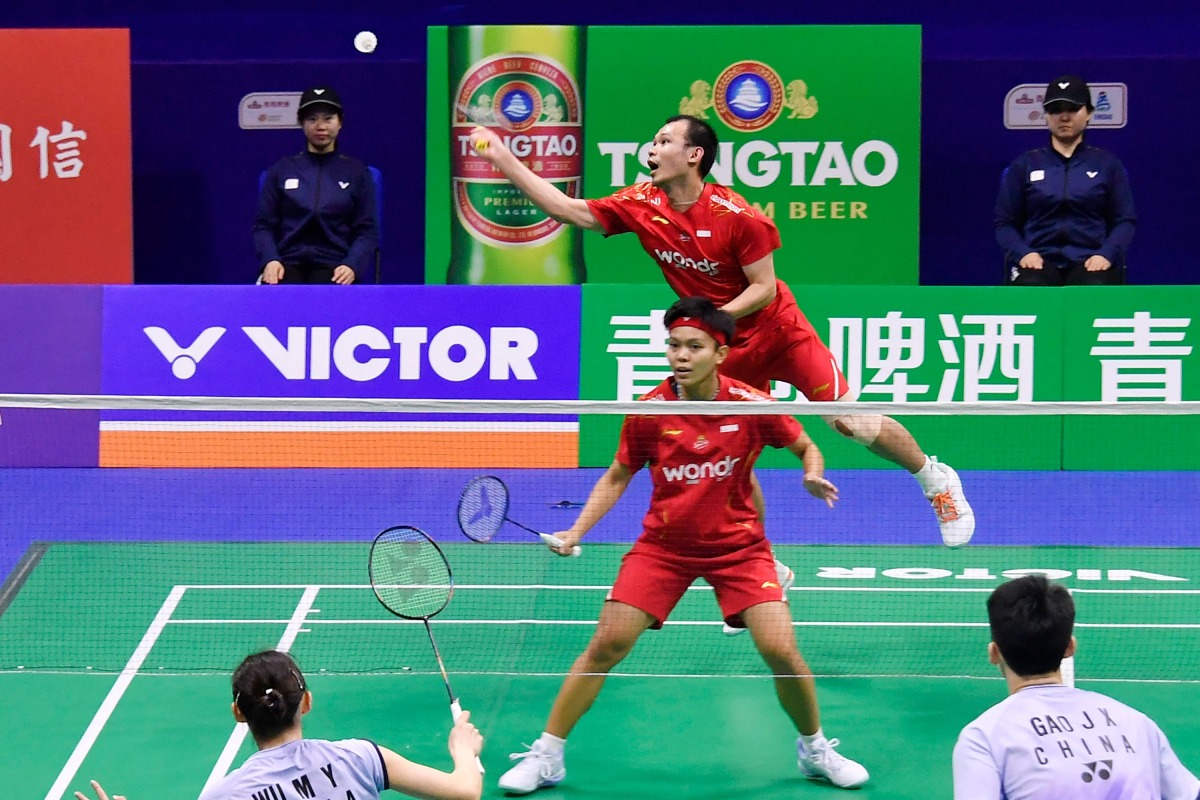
66 186
819 128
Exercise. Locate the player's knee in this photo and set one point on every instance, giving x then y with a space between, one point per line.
605 651
863 429
784 660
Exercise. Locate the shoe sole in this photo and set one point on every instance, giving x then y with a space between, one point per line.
521 792
824 779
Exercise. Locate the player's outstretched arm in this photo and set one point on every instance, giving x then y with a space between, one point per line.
418 780
545 195
814 469
604 496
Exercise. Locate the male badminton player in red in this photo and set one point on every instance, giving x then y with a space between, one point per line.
710 242
702 523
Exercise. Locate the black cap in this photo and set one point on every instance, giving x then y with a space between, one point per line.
319 96
1068 89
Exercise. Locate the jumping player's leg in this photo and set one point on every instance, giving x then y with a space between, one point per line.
804 361
887 438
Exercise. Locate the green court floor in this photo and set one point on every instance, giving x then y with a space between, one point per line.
115 662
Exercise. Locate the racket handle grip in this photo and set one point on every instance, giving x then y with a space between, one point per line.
456 712
576 551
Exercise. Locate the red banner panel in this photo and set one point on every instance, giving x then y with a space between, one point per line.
66 196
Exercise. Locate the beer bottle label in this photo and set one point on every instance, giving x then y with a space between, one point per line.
533 103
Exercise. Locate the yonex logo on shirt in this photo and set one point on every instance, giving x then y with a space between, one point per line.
693 473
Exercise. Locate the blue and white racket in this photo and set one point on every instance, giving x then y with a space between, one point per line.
483 509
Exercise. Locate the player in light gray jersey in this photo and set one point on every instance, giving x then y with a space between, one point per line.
1048 741
269 694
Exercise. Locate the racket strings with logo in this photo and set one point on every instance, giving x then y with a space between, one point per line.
411 578
483 510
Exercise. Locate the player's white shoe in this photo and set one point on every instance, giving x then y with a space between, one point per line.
535 769
786 579
823 763
954 514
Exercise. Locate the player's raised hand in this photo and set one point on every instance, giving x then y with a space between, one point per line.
100 793
486 143
821 489
465 737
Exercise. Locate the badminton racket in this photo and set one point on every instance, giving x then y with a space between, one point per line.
411 578
483 510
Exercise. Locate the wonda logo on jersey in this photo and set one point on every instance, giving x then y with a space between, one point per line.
535 106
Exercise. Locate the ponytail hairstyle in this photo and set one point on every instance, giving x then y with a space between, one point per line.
268 689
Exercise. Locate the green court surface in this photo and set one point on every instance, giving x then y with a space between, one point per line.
114 662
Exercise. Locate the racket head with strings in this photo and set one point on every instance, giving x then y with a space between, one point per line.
410 575
482 507
411 578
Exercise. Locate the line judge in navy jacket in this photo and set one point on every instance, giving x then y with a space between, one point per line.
1065 212
317 221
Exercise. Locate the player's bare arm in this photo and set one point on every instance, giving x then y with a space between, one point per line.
604 496
759 293
418 780
815 481
545 195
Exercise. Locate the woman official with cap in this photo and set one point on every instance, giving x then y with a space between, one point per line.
1065 212
317 221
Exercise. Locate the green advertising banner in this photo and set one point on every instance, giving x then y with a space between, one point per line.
1132 344
819 128
925 344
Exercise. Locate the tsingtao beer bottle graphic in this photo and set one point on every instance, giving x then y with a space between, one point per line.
524 82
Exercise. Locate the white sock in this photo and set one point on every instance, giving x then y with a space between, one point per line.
809 740
932 481
552 744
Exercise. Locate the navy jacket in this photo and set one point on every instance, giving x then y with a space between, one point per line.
318 209
1066 209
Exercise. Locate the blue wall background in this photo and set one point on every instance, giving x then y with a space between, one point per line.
196 172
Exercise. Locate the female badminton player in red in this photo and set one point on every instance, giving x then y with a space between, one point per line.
702 523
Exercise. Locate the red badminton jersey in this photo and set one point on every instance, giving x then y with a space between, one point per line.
701 251
700 467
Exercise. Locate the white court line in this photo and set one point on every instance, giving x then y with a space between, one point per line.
606 587
1067 666
294 626
668 623
115 693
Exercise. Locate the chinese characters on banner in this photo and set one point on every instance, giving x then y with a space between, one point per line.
65 157
978 357
68 162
